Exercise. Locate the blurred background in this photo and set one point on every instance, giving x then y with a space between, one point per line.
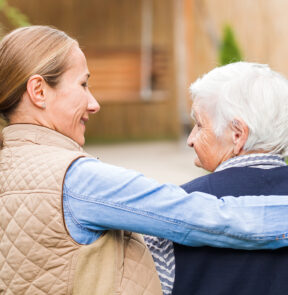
143 55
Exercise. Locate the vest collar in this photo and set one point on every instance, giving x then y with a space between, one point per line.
20 134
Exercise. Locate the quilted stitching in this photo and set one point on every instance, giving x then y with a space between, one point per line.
33 177
35 250
139 275
31 184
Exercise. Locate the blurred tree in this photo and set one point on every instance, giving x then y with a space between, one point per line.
13 15
17 19
229 50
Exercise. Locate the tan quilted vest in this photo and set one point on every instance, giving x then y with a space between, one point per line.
37 254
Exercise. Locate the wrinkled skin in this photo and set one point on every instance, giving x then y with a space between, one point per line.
210 150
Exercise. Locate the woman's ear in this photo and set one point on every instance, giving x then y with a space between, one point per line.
240 133
36 91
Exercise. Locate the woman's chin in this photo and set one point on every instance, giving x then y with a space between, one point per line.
198 163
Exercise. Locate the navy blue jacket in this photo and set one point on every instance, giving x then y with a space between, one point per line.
217 271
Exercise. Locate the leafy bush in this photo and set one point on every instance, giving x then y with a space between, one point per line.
229 50
13 14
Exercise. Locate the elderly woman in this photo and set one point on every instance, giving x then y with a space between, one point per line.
241 135
63 212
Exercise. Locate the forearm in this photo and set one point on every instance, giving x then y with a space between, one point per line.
210 221
250 222
135 203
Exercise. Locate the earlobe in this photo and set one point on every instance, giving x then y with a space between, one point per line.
36 91
240 132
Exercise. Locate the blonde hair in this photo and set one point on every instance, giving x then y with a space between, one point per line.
28 51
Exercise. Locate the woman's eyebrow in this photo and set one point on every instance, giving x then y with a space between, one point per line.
194 115
87 76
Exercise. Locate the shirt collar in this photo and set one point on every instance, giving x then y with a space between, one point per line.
263 161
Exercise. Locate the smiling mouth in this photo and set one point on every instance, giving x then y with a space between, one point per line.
83 121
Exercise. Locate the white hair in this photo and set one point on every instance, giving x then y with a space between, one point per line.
251 92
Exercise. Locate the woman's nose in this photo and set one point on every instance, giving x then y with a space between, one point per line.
190 139
93 105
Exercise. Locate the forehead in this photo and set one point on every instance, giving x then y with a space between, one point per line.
199 113
77 61
196 108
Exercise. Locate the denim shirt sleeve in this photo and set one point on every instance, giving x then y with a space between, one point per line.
102 197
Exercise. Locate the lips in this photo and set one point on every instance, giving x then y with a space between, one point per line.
83 120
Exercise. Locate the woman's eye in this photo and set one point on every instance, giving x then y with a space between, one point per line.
85 84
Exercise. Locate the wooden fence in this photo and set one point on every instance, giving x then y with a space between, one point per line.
110 33
260 27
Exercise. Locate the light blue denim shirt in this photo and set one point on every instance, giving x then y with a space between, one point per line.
98 197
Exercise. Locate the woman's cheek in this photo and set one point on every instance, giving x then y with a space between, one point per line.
203 151
198 148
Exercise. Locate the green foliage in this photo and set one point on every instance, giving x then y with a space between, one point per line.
14 15
229 49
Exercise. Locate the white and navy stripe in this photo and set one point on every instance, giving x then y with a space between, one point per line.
163 254
261 161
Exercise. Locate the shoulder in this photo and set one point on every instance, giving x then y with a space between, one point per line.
221 182
86 165
201 184
90 166
88 173
239 181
